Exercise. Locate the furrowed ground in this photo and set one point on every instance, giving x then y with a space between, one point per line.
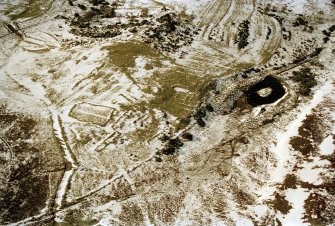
121 112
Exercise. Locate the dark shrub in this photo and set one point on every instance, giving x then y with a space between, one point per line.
306 79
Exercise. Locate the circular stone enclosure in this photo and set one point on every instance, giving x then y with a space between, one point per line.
269 82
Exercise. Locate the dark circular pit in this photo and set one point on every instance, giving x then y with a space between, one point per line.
278 91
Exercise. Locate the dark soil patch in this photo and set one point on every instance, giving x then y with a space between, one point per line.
26 191
281 204
319 209
302 145
290 182
311 134
312 128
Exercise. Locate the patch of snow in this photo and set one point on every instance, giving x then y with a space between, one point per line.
327 146
62 187
310 171
25 221
180 90
282 98
297 199
35 88
155 89
300 6
192 8
256 111
58 132
205 139
259 210
192 203
141 72
296 5
265 92
244 222
113 208
282 149
141 62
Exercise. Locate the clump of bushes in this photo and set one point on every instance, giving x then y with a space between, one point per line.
172 145
269 33
328 33
170 33
278 18
243 34
303 57
306 79
300 21
198 115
